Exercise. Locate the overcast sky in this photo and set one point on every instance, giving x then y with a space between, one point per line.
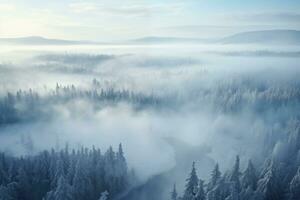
103 20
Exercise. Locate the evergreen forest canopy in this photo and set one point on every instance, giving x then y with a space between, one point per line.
56 175
169 109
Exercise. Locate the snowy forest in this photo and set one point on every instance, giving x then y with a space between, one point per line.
149 100
66 174
274 180
239 129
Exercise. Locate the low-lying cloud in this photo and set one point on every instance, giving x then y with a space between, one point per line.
227 104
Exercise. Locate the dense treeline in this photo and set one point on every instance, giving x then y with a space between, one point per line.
232 96
277 179
70 63
29 105
56 175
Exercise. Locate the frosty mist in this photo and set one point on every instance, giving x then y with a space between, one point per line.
212 98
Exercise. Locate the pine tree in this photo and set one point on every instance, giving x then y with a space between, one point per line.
200 195
71 169
110 160
63 191
235 174
295 186
174 193
219 191
234 194
30 177
249 177
99 175
248 194
192 184
121 161
109 171
24 184
82 188
4 177
215 177
59 172
121 169
12 171
268 186
53 163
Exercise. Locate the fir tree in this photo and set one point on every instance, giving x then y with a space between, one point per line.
235 174
191 185
268 186
24 184
121 169
174 193
219 191
200 195
72 168
215 177
82 188
249 177
63 191
234 194
59 172
294 186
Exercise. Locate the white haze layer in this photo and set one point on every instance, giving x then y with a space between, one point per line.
159 70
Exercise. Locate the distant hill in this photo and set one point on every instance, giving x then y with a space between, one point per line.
159 40
264 37
37 40
282 37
